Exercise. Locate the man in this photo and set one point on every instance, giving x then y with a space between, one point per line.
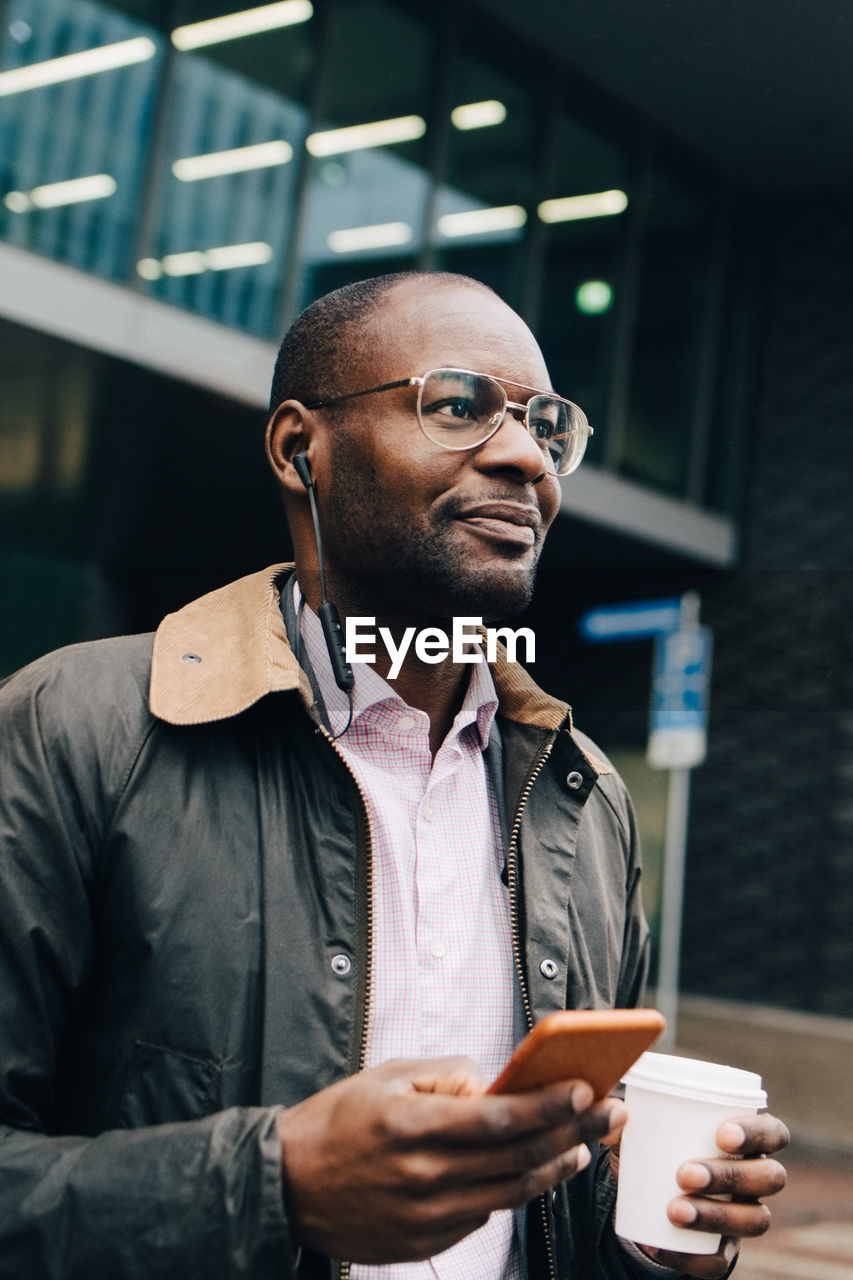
230 884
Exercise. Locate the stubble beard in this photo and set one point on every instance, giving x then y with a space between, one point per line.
384 567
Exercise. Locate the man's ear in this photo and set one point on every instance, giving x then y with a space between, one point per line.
289 432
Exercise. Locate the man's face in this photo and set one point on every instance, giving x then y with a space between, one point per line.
415 531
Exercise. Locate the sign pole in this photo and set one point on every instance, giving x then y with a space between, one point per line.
677 741
672 897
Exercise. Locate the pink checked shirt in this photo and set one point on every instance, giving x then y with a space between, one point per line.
443 975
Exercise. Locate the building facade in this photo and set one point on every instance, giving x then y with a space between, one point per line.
178 179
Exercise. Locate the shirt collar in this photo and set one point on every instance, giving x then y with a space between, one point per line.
224 652
478 707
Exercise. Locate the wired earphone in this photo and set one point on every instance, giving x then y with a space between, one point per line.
327 611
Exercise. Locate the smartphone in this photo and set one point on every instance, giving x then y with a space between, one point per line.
597 1045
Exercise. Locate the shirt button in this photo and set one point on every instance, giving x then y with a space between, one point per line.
574 780
548 969
406 722
427 813
437 948
341 965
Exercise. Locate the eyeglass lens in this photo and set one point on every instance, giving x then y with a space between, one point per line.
458 410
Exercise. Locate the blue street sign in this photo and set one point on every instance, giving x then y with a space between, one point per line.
681 677
641 619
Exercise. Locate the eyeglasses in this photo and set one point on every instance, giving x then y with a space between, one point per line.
459 410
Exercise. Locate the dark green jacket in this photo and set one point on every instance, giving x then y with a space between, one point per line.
183 853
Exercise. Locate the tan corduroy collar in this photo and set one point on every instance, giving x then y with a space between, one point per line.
222 653
219 655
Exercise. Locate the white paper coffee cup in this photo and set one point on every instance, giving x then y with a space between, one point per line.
675 1106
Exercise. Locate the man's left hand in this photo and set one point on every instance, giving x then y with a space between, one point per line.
747 1179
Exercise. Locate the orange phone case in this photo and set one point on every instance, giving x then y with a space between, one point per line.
598 1045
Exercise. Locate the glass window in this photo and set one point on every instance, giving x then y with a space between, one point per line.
669 332
648 788
74 134
234 135
727 442
45 441
278 53
226 195
367 187
584 215
482 205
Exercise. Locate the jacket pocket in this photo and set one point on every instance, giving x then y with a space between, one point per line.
156 1085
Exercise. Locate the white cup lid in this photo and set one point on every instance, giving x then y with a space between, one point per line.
703 1081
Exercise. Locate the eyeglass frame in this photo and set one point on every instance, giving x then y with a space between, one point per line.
419 382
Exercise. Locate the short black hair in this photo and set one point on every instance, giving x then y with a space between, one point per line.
324 347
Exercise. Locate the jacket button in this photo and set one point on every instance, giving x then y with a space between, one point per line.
190 657
574 780
341 965
548 969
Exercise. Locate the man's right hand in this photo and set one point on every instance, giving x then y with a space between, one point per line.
402 1161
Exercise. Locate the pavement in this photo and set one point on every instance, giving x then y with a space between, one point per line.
811 1237
806 1062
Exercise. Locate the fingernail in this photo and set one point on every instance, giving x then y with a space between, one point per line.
584 1156
683 1213
697 1175
617 1115
733 1136
582 1096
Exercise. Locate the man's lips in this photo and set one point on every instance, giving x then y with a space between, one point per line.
503 521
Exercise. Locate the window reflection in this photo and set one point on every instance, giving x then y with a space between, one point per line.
482 206
72 146
367 186
240 173
226 187
669 330
726 428
49 390
234 136
580 281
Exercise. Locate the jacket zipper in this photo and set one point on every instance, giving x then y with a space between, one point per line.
357 1062
512 876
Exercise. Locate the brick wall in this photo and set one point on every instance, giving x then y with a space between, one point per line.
772 811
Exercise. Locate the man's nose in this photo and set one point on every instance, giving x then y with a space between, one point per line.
512 447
